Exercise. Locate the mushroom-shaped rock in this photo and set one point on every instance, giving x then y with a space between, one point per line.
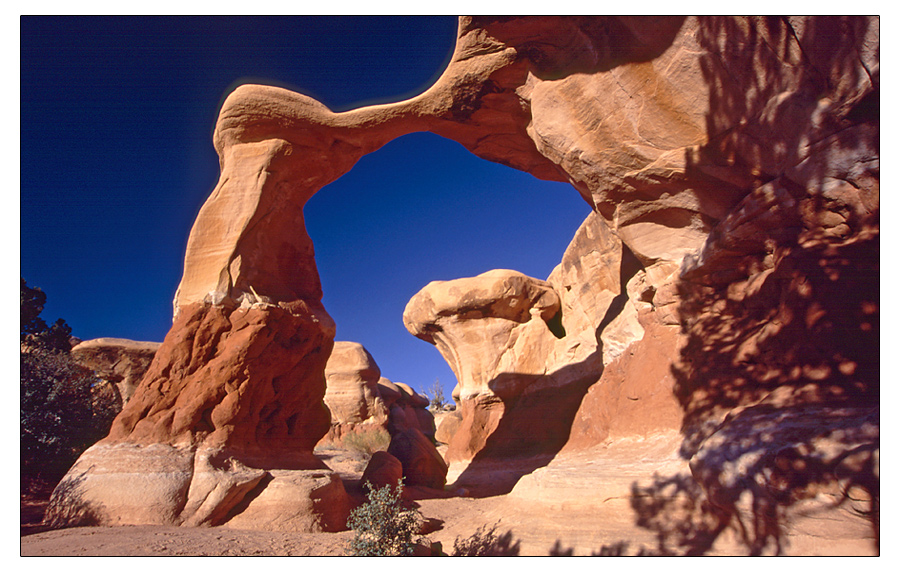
486 325
492 329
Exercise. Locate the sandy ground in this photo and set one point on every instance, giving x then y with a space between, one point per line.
595 502
513 526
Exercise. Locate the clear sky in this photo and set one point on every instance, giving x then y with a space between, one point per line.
116 159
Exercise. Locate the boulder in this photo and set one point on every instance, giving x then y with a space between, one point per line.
422 464
295 501
383 469
120 362
351 380
388 391
447 425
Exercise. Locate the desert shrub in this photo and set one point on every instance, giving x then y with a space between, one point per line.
63 407
382 526
436 401
485 542
367 442
63 411
33 330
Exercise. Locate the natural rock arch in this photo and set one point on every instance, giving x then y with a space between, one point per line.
736 158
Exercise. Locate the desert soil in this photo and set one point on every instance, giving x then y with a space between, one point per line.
520 526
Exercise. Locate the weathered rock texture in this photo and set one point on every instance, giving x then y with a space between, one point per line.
367 409
727 284
120 362
351 394
735 161
212 431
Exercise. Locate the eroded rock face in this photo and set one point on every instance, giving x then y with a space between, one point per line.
734 165
742 174
493 330
211 424
351 379
363 403
121 362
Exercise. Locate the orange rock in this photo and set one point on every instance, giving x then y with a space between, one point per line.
383 469
422 464
230 396
351 379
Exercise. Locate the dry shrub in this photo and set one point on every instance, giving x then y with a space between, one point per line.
367 442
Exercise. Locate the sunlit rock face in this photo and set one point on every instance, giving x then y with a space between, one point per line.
369 411
208 429
726 285
737 161
351 380
492 329
121 362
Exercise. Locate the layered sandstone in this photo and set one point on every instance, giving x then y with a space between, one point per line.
726 285
120 362
213 430
368 408
351 394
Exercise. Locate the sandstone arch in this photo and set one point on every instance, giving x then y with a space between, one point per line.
737 159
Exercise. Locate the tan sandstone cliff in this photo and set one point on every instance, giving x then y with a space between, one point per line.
120 362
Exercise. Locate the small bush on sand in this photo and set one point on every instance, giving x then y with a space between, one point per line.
382 526
486 542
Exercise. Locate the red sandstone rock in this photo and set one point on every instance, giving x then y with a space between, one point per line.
447 424
383 469
422 464
210 422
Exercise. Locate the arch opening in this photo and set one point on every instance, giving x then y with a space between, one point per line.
419 209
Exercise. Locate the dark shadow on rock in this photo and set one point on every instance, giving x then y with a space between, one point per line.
67 508
615 549
675 508
630 266
251 495
586 44
533 429
779 378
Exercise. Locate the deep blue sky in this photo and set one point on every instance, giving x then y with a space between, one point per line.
116 158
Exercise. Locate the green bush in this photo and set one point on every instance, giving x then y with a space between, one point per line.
382 526
63 407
